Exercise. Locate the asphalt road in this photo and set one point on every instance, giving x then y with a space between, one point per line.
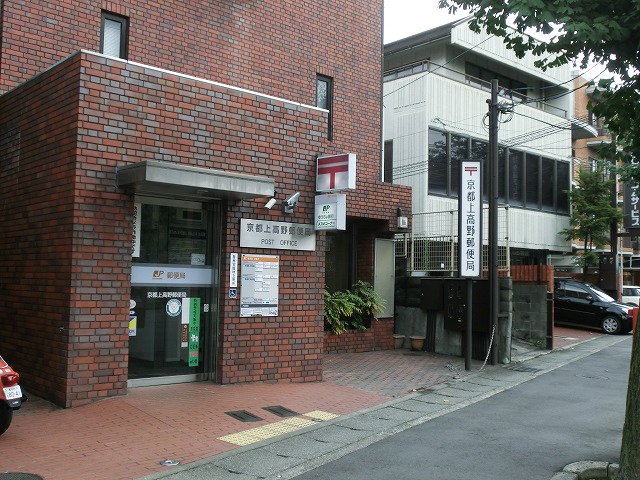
530 431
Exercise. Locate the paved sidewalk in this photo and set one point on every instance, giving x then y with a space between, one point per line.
128 437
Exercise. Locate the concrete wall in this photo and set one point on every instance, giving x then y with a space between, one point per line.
523 316
530 313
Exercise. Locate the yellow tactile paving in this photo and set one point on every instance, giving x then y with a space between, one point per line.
257 434
321 415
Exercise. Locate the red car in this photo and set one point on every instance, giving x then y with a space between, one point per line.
11 397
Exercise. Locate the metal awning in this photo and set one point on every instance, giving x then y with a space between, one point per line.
173 180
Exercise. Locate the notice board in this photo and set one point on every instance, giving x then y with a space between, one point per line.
259 288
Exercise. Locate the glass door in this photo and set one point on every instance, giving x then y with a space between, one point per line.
170 323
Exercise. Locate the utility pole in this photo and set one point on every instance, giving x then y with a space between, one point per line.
494 283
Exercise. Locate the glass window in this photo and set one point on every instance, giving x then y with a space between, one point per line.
172 235
459 152
480 151
563 186
516 175
547 187
388 161
438 172
502 172
324 99
114 35
532 181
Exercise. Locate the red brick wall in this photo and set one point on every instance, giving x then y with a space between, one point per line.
63 281
535 274
378 337
273 46
66 258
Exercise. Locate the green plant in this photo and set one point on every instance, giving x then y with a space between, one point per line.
351 309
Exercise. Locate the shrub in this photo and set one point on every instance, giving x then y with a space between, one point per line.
351 309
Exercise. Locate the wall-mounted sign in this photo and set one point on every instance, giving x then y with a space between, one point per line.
336 172
331 212
233 270
470 220
135 247
259 290
631 207
170 275
282 235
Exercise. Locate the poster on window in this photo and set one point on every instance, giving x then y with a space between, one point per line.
190 337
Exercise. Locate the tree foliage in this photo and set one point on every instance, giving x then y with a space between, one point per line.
592 214
580 32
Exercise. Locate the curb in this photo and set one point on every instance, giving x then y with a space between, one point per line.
588 471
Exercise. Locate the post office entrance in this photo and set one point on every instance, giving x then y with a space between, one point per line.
171 322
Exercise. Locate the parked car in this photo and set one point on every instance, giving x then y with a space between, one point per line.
631 295
582 304
11 396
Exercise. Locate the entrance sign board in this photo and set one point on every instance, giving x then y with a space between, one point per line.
331 212
470 220
170 275
281 235
259 289
336 172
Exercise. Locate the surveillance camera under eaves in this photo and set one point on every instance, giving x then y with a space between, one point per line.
289 204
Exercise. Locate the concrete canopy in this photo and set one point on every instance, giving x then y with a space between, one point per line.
166 179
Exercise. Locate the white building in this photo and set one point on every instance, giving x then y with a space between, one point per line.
437 85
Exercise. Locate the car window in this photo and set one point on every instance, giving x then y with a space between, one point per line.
576 291
602 296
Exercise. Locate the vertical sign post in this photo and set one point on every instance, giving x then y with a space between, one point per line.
470 239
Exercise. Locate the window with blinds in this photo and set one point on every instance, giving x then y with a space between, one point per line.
114 35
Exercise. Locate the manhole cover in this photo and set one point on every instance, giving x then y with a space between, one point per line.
19 476
281 411
243 416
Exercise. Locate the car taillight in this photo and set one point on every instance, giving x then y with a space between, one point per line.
10 379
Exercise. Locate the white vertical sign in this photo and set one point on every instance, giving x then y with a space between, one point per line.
233 270
470 220
135 247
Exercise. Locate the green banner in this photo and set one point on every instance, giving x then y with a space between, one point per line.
194 332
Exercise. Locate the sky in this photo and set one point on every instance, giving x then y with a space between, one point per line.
403 18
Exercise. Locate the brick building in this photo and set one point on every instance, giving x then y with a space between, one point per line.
139 145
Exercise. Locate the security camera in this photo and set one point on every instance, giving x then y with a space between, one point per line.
269 205
289 204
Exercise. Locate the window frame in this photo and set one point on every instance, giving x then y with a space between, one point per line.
527 193
124 32
329 104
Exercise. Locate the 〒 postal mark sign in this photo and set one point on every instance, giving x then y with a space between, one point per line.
336 172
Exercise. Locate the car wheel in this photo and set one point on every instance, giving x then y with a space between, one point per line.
611 325
6 414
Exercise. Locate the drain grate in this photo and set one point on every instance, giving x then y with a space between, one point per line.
242 415
522 368
281 411
19 476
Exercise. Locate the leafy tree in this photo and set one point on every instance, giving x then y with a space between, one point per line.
592 214
594 31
